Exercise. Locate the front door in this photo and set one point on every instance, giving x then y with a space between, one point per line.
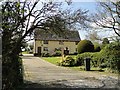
39 50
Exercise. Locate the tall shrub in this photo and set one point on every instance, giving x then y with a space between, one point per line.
97 48
111 55
85 46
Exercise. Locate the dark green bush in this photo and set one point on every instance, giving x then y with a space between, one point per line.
80 58
57 52
97 48
94 59
68 61
85 46
105 41
45 55
12 72
103 65
108 57
111 55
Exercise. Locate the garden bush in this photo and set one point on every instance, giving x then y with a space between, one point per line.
103 65
45 55
97 48
12 76
111 55
57 52
85 46
67 61
94 58
108 57
105 42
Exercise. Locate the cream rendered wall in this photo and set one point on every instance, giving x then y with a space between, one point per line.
34 47
54 44
71 46
37 43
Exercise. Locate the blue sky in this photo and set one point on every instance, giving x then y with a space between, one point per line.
91 6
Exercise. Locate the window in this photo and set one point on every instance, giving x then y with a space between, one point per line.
76 43
45 48
61 42
45 42
58 49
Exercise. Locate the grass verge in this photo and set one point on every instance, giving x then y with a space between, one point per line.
53 60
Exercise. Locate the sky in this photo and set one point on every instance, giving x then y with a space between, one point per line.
91 6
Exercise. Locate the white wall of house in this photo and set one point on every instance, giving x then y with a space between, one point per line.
54 44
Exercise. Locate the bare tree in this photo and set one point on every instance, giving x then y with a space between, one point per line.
76 19
108 16
93 36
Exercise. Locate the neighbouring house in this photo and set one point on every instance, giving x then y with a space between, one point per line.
47 42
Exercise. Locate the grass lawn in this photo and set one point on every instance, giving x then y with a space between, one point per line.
55 60
25 52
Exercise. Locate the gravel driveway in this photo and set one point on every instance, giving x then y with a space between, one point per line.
39 73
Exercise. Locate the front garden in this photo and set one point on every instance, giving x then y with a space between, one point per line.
102 58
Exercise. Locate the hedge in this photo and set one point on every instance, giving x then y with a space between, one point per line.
85 46
108 57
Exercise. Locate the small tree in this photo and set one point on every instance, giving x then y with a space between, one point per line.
105 41
93 36
97 48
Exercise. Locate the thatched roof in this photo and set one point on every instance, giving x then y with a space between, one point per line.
66 35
